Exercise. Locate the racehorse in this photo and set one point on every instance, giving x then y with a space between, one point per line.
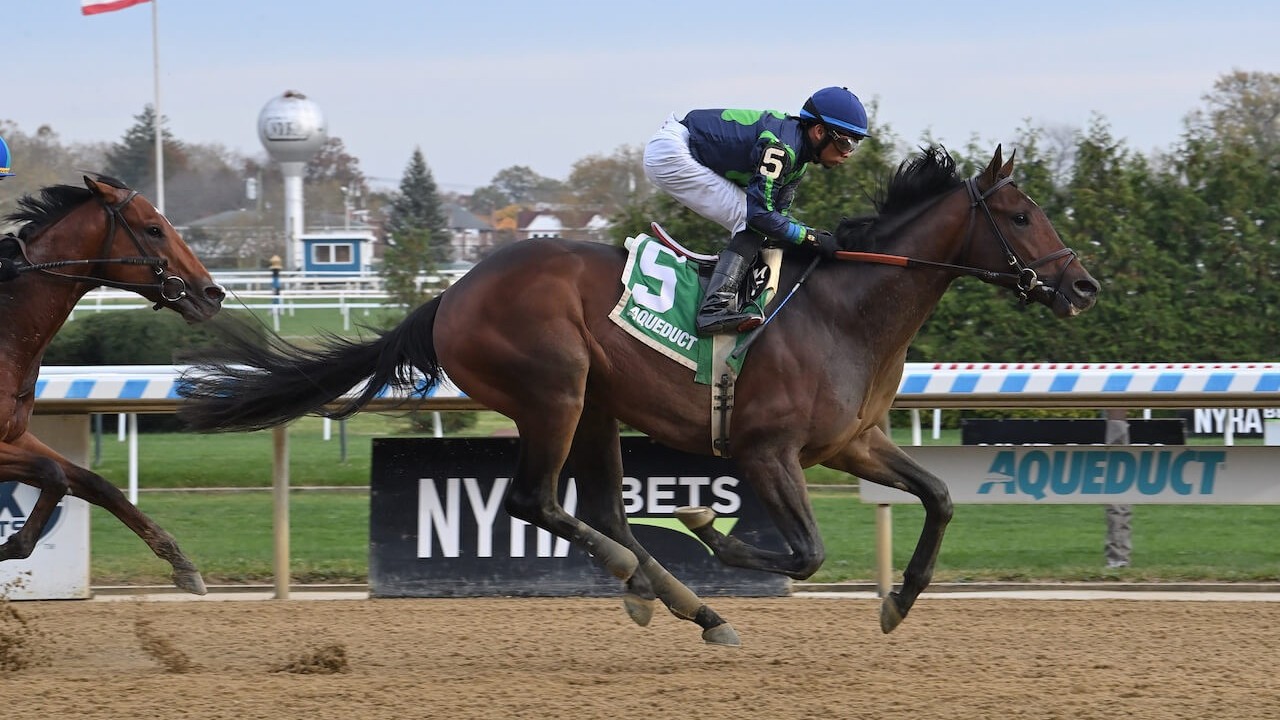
526 333
75 239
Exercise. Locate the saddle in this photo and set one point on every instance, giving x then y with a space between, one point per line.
758 276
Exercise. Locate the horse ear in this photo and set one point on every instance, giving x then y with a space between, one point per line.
992 173
94 186
1007 169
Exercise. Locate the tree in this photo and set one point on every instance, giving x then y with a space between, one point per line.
417 233
38 160
1228 232
133 159
1243 107
606 184
487 200
518 185
335 184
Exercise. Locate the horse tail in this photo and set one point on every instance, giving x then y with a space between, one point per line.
247 383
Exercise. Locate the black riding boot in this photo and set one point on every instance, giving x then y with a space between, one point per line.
719 311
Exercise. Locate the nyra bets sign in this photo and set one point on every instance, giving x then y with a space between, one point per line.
438 527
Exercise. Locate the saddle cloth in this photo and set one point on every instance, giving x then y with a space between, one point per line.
660 298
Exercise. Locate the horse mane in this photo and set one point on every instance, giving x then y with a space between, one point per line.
52 203
917 181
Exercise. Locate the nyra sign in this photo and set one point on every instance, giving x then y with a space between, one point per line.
438 528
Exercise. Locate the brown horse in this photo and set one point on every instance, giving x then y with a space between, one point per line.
527 333
75 239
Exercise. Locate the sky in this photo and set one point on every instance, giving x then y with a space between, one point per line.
483 85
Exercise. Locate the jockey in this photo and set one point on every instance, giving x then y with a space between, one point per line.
4 160
740 169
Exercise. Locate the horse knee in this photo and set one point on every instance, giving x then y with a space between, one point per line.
48 475
805 562
943 508
809 563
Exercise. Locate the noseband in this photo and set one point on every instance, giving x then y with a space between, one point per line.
171 288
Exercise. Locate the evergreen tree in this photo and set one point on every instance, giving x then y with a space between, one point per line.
418 239
1230 215
133 159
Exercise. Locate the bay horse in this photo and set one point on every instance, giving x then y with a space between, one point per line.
74 239
527 333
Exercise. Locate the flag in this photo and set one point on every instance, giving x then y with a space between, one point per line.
93 7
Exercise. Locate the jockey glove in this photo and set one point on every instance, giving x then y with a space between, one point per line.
822 241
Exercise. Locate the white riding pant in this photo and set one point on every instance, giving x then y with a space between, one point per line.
670 165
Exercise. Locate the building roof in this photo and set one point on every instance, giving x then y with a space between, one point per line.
461 218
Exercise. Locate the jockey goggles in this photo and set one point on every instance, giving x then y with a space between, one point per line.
845 144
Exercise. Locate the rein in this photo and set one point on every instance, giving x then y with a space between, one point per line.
1024 278
171 287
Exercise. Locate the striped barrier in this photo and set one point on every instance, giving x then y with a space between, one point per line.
154 388
1091 385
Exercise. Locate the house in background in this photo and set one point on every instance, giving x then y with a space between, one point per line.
472 237
571 224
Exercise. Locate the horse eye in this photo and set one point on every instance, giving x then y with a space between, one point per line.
155 231
1021 219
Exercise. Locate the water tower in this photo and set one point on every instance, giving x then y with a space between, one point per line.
292 130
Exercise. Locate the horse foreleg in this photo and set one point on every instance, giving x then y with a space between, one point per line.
93 488
874 457
778 481
596 461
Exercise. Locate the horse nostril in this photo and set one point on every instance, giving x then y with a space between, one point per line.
1086 287
215 293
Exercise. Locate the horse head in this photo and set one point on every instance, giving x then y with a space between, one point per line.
1012 236
145 254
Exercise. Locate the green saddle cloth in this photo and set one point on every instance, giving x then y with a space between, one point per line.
659 303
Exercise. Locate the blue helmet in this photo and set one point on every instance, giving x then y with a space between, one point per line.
4 159
838 108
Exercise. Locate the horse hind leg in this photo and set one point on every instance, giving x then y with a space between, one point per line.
596 461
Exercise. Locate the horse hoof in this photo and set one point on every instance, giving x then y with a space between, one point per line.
890 615
639 609
723 635
190 581
695 517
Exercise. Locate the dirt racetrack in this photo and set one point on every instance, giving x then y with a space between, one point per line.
582 658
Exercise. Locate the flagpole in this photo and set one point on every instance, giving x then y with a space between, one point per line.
155 54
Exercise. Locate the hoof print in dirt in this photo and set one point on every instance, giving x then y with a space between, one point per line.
323 660
161 649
